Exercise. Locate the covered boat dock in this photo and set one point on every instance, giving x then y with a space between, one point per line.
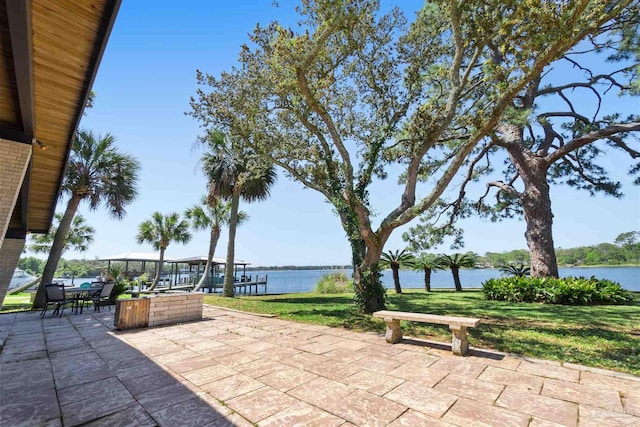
194 268
185 273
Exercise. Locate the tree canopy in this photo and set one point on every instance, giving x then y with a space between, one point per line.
557 131
352 95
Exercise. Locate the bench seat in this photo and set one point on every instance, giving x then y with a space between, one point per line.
457 325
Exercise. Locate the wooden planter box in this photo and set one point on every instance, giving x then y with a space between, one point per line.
132 313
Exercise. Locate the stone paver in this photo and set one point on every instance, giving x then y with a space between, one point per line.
631 403
422 399
302 414
547 408
596 417
238 369
413 418
470 388
467 412
592 395
508 377
549 370
366 409
377 384
262 403
286 378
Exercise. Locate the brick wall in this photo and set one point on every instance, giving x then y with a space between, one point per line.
14 158
166 309
9 255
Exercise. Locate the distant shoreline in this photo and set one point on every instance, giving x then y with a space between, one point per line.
348 267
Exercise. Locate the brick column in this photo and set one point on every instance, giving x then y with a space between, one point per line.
9 255
14 160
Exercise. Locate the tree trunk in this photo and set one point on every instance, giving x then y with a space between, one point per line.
233 224
158 269
456 278
56 249
213 242
370 294
396 277
427 279
536 205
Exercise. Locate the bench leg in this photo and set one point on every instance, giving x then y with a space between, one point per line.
459 341
394 333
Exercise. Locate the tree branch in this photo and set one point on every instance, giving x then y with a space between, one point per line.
590 137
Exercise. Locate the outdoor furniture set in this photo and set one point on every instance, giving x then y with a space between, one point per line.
61 296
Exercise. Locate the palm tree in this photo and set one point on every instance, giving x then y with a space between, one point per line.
395 260
161 230
428 263
99 173
235 173
211 216
520 270
79 236
455 262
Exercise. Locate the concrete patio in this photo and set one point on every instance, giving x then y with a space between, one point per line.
239 369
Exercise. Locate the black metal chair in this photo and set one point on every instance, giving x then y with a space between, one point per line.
54 294
103 295
91 294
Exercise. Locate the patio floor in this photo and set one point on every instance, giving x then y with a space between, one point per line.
240 369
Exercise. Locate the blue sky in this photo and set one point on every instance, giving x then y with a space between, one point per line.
143 87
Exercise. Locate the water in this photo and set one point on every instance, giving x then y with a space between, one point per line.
290 281
305 280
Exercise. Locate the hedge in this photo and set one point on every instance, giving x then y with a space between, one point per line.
550 290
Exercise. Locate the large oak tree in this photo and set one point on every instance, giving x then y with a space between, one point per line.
326 100
558 130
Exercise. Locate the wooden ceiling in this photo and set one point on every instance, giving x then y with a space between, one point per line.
49 56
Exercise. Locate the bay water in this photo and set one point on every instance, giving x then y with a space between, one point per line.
290 281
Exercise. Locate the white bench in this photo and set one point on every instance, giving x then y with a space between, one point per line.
458 326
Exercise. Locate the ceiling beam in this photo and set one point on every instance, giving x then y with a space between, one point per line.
15 135
20 31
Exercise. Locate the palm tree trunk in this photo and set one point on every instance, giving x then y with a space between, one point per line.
158 269
233 224
396 278
456 278
427 279
213 242
56 249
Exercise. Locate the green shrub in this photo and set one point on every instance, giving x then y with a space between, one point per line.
549 290
118 289
334 283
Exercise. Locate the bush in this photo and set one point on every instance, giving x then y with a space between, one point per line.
334 283
118 289
549 290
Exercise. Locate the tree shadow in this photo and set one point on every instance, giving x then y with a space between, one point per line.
76 369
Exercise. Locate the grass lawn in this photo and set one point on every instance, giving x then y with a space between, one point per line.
600 336
19 302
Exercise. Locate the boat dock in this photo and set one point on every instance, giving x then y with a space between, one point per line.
242 286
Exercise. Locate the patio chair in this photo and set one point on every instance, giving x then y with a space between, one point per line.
54 294
104 295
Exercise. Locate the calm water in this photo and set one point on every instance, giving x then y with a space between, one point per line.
305 280
289 281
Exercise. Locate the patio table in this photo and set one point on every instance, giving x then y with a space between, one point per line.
76 294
